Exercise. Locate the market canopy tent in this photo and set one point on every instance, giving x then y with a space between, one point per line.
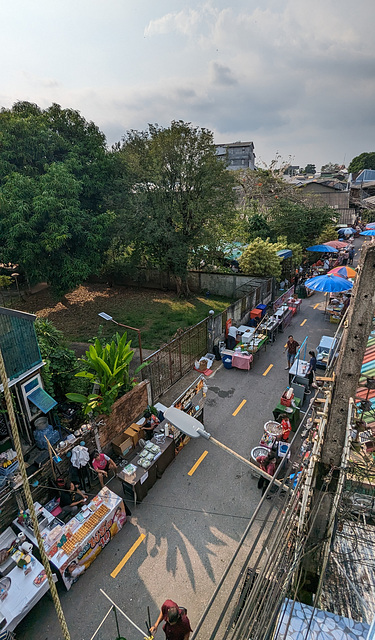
234 250
322 248
368 232
344 271
284 253
329 283
336 244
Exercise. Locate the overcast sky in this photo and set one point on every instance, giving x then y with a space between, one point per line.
294 76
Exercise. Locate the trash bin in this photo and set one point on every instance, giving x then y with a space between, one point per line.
227 362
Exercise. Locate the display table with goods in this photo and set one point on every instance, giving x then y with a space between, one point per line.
324 351
258 341
294 303
72 547
271 327
141 473
240 358
23 580
284 315
145 464
281 309
293 412
297 372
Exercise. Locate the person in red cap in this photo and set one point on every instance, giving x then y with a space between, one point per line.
177 625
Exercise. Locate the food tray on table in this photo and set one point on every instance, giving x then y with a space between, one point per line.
85 529
259 451
274 428
144 463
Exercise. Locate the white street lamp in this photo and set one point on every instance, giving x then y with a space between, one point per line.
194 429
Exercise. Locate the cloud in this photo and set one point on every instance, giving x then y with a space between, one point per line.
222 75
291 75
184 22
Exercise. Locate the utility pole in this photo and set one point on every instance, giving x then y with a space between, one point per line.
348 371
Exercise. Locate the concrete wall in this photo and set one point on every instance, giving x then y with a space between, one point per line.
220 284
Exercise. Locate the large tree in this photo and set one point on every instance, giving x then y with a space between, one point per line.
275 207
55 177
260 259
181 195
363 161
299 223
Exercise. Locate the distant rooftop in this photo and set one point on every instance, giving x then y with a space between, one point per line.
235 144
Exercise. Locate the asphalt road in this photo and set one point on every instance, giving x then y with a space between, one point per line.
191 524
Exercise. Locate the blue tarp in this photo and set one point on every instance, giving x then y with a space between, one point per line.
285 253
42 400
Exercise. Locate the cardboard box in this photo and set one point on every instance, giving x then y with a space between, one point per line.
122 444
134 435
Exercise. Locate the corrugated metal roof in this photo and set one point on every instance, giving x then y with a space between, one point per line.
298 621
348 588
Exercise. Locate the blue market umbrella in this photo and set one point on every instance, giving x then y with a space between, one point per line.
329 283
368 232
370 225
322 248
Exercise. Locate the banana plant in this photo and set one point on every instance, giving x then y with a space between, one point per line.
107 367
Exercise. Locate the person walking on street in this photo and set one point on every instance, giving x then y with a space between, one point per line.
351 254
177 625
291 350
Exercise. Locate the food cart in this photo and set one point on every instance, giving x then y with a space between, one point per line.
72 547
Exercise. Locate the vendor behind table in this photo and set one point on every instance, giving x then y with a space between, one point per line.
232 337
71 499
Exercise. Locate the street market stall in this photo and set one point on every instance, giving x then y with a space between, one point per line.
284 310
72 547
324 349
293 412
20 587
148 465
297 372
147 462
238 358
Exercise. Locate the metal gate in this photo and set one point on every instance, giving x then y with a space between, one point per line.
171 362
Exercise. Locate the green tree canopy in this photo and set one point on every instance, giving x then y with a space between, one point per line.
260 259
181 195
365 160
55 177
299 223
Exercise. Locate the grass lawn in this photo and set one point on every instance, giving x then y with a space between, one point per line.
158 314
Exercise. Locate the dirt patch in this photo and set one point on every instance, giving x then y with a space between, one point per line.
76 313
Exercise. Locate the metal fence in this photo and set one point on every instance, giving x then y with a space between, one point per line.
170 363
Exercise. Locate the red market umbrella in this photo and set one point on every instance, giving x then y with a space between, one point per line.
336 244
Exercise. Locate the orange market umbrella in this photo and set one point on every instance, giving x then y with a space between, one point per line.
346 272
